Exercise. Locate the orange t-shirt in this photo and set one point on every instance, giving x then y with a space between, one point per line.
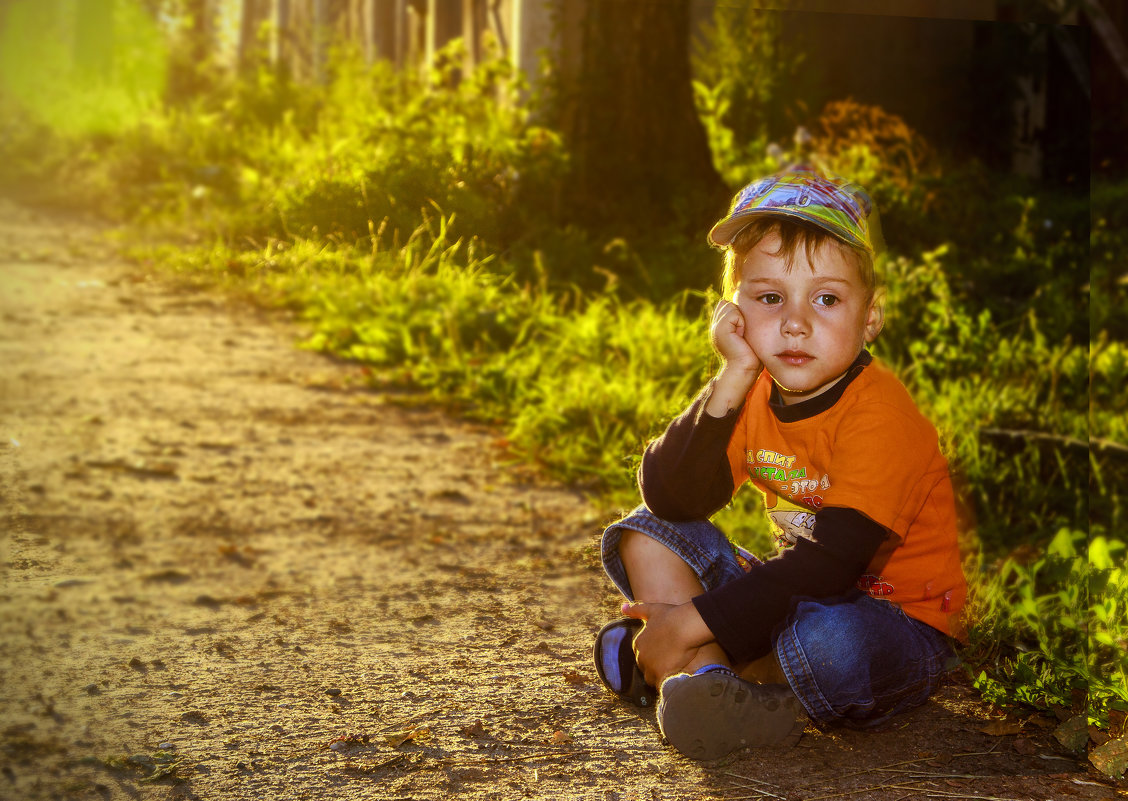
874 452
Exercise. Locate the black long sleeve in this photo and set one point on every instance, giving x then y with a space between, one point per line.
743 613
685 473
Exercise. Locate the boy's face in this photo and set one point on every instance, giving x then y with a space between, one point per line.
808 323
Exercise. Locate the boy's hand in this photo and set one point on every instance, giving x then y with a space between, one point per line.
727 335
741 364
670 639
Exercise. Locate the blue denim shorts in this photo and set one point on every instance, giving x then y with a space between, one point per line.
852 659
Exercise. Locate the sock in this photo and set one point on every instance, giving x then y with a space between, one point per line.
715 668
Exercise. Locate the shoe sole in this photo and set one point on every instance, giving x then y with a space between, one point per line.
711 715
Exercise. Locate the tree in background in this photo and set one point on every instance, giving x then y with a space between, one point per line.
639 152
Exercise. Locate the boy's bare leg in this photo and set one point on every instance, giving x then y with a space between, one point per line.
658 575
765 670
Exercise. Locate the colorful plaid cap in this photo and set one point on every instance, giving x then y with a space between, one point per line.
799 192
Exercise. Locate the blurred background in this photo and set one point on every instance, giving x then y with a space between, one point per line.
503 204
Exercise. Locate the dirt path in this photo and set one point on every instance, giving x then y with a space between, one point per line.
231 572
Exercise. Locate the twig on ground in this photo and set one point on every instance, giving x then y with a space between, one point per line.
525 757
966 797
756 784
869 789
917 774
862 772
365 769
926 792
402 721
989 752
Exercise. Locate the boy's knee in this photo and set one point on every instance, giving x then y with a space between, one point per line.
831 638
636 547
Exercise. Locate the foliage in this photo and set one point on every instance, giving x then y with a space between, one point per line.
741 69
1109 270
1069 600
990 391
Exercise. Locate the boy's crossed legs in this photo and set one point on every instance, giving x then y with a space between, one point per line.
705 709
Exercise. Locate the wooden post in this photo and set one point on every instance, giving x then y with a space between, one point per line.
531 32
1030 114
283 47
200 30
444 23
248 33
384 27
318 38
473 25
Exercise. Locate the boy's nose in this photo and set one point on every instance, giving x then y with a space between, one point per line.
795 323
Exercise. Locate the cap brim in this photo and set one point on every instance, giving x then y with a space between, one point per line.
723 233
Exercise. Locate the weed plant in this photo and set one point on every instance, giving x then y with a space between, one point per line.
411 221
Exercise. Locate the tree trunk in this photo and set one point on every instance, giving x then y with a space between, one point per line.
641 155
248 33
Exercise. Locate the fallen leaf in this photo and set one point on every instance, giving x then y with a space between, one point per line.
1111 759
559 737
396 739
1074 733
1116 721
476 729
1097 736
1002 727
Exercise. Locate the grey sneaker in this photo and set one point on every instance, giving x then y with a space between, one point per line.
714 712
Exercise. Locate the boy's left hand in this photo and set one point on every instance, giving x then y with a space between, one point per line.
670 639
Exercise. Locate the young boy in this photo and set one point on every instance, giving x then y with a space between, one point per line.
850 622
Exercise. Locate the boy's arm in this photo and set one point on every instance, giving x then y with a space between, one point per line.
685 473
743 613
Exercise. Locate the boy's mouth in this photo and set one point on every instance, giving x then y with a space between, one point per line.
794 357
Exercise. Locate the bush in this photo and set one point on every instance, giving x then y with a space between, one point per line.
1053 629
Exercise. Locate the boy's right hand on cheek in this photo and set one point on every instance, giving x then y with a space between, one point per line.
727 336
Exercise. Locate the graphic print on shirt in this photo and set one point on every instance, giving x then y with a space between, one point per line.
875 586
799 484
791 522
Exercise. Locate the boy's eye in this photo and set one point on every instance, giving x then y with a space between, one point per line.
826 300
770 298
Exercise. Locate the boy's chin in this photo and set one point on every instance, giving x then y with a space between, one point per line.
799 392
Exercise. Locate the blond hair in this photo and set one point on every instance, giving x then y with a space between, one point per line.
792 234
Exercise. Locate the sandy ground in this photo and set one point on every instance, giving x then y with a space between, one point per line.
233 570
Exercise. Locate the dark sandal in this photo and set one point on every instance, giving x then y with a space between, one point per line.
714 712
615 662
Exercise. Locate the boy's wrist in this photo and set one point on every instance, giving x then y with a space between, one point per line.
730 386
692 625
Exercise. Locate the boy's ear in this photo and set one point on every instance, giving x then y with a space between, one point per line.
875 316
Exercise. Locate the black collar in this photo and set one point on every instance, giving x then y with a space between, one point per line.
820 403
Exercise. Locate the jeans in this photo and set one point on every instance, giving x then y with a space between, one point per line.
850 659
